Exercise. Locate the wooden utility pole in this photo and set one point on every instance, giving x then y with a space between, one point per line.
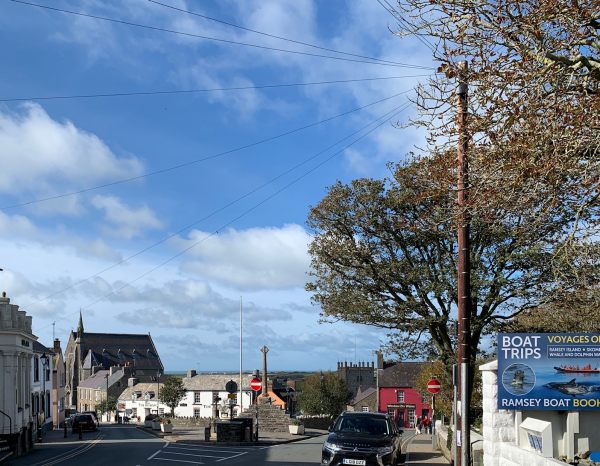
463 444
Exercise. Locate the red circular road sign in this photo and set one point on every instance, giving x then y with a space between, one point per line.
256 384
433 386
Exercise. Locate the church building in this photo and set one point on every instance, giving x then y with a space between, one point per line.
88 353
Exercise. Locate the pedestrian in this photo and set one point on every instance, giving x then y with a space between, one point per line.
426 425
418 426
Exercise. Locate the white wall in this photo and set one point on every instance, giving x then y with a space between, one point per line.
205 404
501 433
37 388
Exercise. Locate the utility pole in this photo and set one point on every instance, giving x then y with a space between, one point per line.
463 444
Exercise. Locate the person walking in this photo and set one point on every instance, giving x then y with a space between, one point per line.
418 426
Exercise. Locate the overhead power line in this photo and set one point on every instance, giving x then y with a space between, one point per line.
212 89
273 36
198 160
405 24
375 123
215 39
211 214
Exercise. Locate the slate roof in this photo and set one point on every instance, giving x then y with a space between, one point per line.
98 380
401 374
142 388
39 348
215 382
360 396
108 349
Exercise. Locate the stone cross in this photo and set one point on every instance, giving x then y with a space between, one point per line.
264 350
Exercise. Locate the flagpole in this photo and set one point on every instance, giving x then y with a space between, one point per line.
241 357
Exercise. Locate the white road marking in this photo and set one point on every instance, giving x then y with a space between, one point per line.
231 457
188 454
179 461
154 454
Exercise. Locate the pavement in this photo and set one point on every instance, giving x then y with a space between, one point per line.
420 452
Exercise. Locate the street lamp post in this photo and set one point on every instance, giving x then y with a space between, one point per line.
106 400
44 359
157 392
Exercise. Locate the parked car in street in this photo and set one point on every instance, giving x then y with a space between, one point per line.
83 422
362 439
94 415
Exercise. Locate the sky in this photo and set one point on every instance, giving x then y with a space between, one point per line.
168 213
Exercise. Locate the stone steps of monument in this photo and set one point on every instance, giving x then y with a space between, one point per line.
271 418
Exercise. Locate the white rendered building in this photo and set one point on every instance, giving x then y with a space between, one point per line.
16 350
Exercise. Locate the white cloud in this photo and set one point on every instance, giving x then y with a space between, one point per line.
256 258
124 221
39 154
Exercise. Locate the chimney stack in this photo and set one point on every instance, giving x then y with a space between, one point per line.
191 373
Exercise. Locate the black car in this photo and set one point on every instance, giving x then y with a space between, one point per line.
94 414
83 422
362 439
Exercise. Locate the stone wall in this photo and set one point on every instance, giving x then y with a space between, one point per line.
500 429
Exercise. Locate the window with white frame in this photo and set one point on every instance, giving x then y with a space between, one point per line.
161 411
197 397
400 396
365 409
196 412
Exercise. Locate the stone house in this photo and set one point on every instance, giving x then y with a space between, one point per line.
58 385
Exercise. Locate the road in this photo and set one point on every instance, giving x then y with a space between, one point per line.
128 446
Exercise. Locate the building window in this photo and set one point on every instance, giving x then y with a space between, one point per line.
196 412
97 395
400 396
365 409
197 397
161 411
36 369
61 404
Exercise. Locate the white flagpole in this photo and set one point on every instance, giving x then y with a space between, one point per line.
241 358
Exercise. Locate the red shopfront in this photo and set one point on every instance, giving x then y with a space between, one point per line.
404 404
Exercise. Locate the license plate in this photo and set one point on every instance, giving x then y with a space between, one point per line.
353 461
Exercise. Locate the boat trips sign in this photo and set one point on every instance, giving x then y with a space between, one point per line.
559 371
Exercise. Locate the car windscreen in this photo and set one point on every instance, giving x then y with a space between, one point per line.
363 425
83 418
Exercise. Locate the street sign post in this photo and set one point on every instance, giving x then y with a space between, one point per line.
231 387
434 386
256 384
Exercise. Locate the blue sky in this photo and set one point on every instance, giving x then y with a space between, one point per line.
64 254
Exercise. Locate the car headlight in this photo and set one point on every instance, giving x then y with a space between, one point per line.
382 451
332 447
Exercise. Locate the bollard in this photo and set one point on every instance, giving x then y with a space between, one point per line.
65 429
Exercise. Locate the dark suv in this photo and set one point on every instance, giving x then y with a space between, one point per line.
362 439
83 422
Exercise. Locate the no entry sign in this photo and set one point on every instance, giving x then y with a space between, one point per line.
256 384
433 386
